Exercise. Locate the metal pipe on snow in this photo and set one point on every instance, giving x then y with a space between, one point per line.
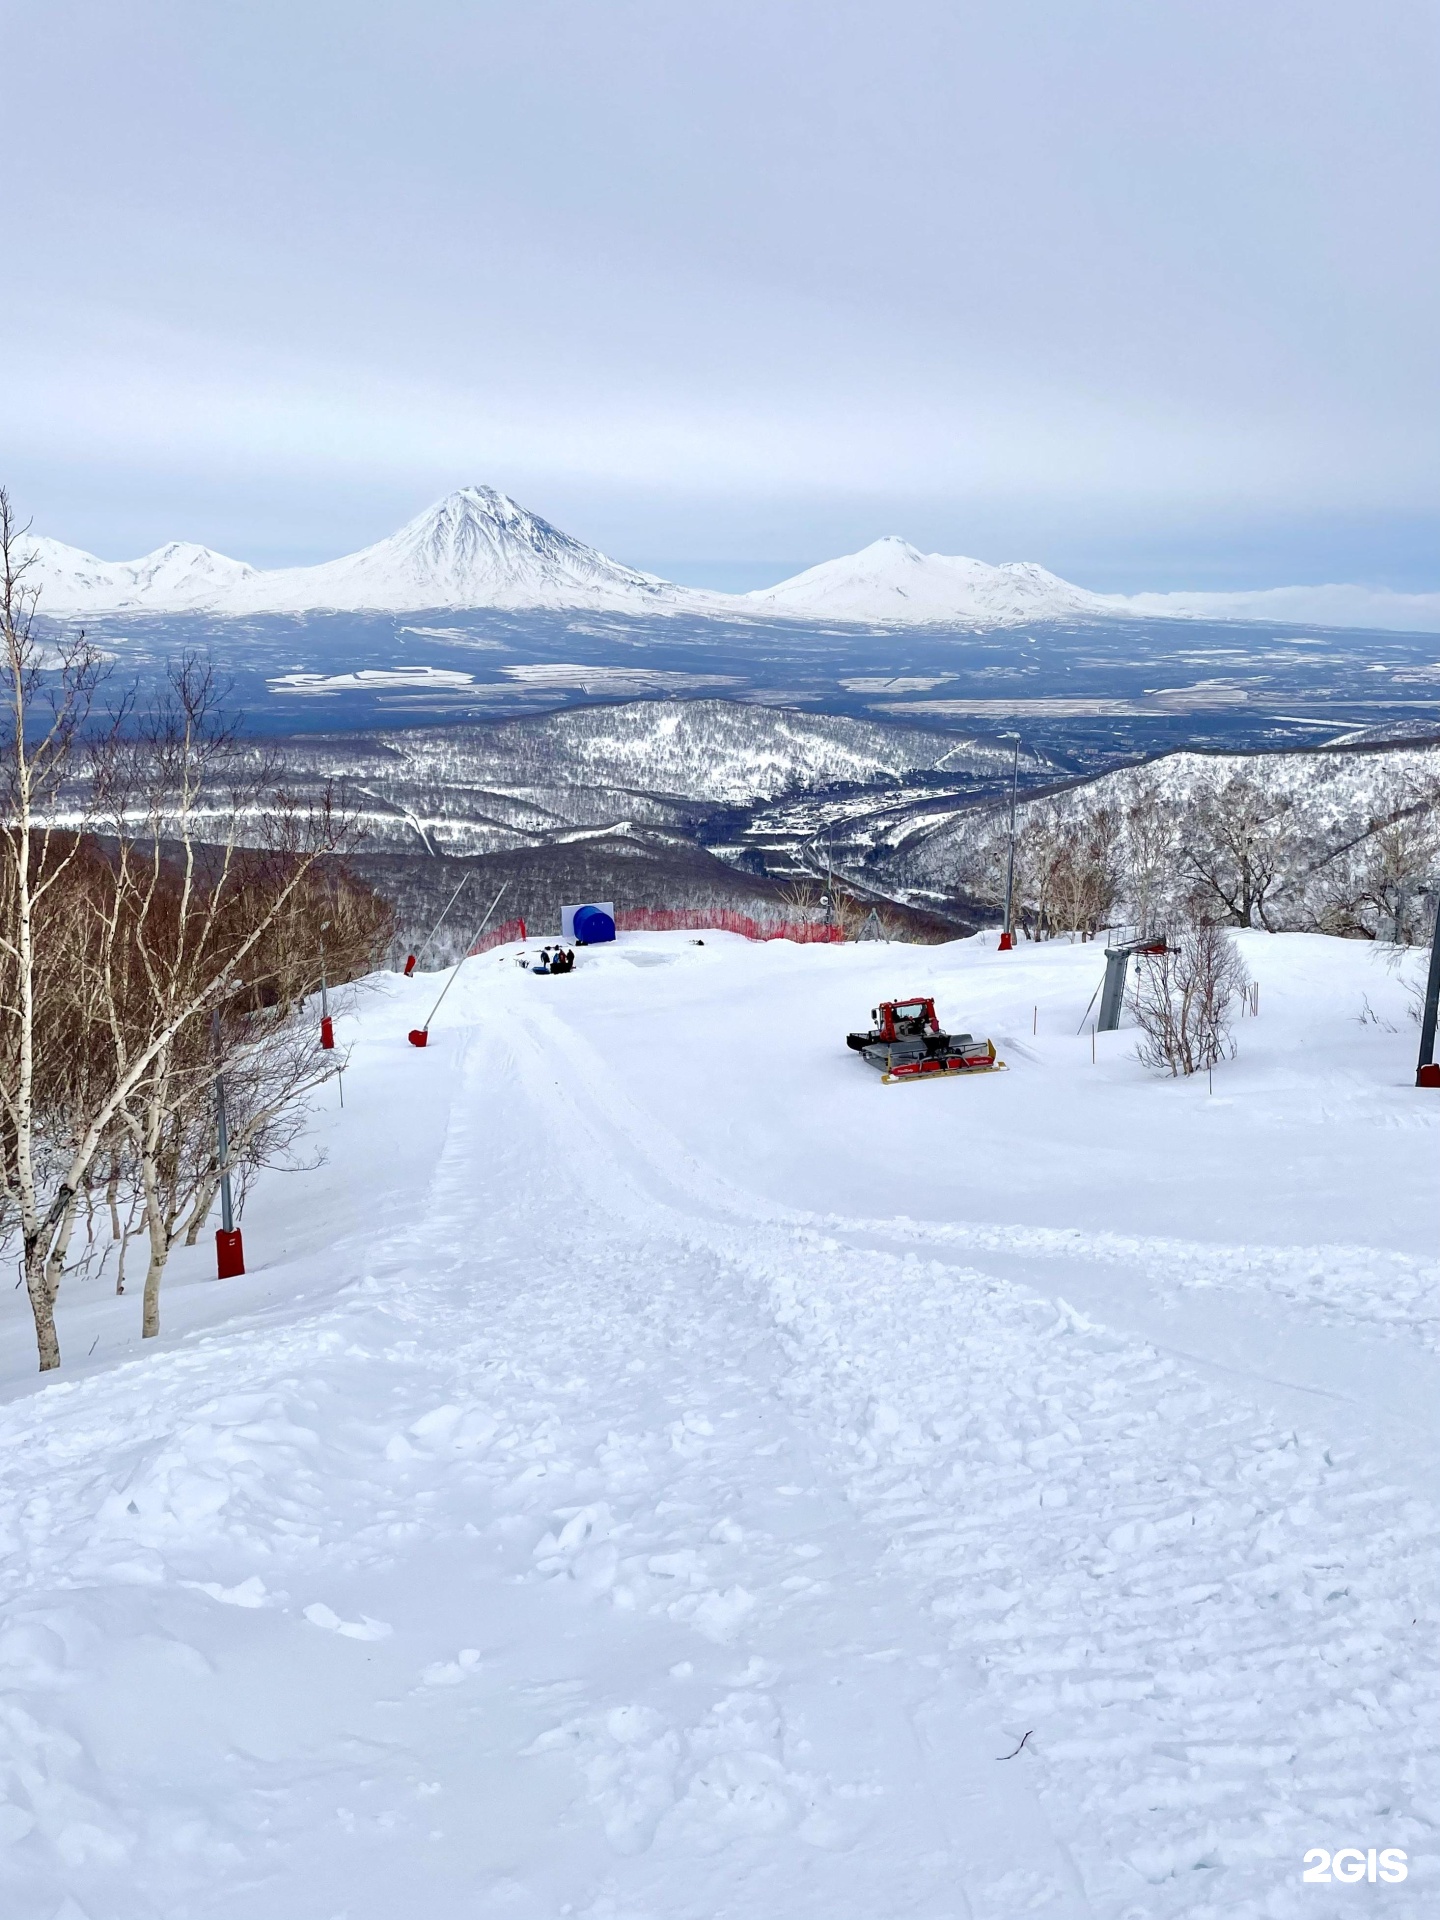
429 939
456 968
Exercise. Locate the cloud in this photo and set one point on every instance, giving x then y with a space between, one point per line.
1122 255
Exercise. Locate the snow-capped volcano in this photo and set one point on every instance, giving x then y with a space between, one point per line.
890 581
475 548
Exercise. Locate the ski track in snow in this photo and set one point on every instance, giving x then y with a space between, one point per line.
741 1545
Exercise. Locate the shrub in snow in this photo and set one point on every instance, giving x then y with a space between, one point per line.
1184 1000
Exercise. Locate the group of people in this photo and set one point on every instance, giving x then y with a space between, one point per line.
555 960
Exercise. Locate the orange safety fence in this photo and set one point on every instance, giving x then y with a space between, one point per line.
500 936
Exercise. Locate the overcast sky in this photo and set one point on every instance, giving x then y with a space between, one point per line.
1144 291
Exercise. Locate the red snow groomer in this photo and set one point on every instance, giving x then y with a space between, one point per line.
906 1043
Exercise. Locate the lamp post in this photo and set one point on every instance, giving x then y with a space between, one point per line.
1006 940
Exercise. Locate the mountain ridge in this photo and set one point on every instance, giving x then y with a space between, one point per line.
477 548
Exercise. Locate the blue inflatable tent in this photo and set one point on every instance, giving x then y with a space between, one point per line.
590 926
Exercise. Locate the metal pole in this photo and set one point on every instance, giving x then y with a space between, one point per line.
1006 941
1432 1004
1112 999
222 1141
458 964
426 943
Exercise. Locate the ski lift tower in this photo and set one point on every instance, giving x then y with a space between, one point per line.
1112 993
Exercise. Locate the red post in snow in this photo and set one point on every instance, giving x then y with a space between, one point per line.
523 934
419 1036
229 1254
327 1032
409 965
1006 943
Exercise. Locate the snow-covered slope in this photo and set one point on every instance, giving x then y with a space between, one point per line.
179 578
723 751
1333 862
475 548
655 762
650 1468
891 582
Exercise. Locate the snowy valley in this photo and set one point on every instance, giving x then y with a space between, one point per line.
712 802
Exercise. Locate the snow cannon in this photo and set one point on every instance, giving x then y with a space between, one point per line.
589 925
906 1043
419 1036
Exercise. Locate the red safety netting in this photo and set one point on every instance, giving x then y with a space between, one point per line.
500 936
724 920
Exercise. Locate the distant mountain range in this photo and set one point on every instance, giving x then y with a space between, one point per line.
477 548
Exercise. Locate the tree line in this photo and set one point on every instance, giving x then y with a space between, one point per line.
1233 847
167 906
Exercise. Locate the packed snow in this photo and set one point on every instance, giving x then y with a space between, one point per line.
653 1471
478 548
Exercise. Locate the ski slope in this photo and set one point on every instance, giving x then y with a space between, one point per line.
654 1472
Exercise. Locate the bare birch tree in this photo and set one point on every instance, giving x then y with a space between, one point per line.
1184 998
47 689
107 957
